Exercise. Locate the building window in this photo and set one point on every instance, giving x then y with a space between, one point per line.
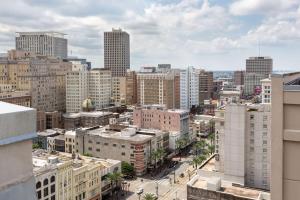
123 146
53 197
98 150
52 189
38 185
46 191
45 182
114 145
39 194
123 153
90 141
251 116
52 179
265 126
90 148
105 144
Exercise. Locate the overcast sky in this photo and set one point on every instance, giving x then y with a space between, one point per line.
213 34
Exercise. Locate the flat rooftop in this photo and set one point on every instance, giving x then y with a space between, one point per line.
87 114
123 135
6 108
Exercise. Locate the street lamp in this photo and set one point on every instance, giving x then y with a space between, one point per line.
156 187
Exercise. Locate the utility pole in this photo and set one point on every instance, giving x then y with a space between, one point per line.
156 188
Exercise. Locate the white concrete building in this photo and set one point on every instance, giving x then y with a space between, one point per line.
43 43
82 84
243 144
17 128
266 90
189 88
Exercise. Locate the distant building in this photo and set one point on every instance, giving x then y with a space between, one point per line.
205 85
266 87
189 88
238 77
117 52
82 84
158 88
21 98
17 125
257 68
51 44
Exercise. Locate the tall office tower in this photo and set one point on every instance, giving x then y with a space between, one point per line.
285 177
257 68
243 149
17 125
158 88
189 88
131 88
238 77
117 52
205 85
100 87
43 43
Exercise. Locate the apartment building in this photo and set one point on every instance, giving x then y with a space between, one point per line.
18 127
257 68
43 77
52 44
205 85
189 88
117 52
285 179
158 88
125 144
62 176
238 77
243 133
82 84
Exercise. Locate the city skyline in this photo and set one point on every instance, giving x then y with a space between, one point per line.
216 35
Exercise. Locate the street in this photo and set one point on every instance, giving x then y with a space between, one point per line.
164 185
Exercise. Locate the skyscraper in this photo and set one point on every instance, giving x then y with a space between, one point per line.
43 43
189 88
257 68
117 52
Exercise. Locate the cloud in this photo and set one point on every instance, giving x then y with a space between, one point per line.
247 7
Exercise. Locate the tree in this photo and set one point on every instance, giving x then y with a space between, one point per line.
211 137
155 156
36 146
211 149
149 196
115 179
127 169
161 154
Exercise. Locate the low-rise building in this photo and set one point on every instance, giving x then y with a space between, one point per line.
121 143
68 176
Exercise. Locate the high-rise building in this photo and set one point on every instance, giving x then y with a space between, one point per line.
257 68
51 44
238 77
285 177
158 88
189 88
266 90
117 52
131 88
43 77
17 125
82 84
243 149
205 85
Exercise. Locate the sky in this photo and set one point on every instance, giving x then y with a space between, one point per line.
209 34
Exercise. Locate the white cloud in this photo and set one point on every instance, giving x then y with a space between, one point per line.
246 7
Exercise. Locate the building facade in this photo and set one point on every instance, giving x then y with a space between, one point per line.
51 44
158 88
189 88
205 85
238 77
117 52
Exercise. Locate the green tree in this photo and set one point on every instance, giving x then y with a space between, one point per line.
88 154
149 196
127 169
115 180
211 137
155 155
161 154
211 149
36 146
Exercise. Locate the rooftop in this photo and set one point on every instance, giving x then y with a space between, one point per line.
86 114
126 134
6 108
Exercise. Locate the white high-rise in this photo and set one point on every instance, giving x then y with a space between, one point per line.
43 43
189 88
82 84
243 144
